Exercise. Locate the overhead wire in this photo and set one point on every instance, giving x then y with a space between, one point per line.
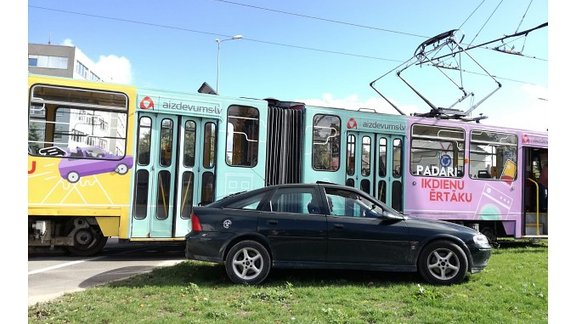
471 14
353 25
520 23
213 34
524 16
278 43
322 19
486 22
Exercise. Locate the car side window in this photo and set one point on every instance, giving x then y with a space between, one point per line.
295 200
337 205
248 203
348 203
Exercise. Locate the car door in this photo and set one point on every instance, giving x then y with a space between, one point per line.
356 236
295 226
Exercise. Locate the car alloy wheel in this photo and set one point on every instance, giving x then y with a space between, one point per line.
248 262
443 263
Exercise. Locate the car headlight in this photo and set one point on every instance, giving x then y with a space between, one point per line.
481 240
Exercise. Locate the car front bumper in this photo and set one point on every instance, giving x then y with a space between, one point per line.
479 258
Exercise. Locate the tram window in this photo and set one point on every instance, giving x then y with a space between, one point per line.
350 182
326 143
144 128
242 136
365 185
141 195
381 194
77 123
166 136
187 192
350 155
397 155
163 201
207 195
189 144
209 145
365 159
382 157
437 151
397 196
493 155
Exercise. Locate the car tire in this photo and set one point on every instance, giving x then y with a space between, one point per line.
443 263
248 262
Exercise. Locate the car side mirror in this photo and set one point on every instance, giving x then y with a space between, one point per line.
385 215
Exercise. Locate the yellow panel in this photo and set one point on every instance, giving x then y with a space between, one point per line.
109 225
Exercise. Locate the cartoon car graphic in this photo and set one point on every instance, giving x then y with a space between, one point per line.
91 161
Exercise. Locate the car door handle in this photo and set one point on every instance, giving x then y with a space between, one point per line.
338 226
273 222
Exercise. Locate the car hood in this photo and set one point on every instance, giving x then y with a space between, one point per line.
438 225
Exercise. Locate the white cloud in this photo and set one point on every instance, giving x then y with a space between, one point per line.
117 67
67 42
352 102
536 91
528 109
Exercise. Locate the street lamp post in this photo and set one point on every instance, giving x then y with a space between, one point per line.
218 41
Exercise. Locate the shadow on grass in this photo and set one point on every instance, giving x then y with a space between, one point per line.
214 276
522 245
315 278
204 274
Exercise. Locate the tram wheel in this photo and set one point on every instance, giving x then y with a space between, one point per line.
87 241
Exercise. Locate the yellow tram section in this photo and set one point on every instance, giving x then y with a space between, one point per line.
105 196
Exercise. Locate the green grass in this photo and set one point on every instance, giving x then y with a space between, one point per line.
512 289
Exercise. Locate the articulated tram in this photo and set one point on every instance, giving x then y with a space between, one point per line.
108 160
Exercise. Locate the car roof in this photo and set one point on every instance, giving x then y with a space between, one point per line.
314 184
243 194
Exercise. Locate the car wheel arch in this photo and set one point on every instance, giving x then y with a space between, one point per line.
247 237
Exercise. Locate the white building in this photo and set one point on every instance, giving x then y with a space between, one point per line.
63 61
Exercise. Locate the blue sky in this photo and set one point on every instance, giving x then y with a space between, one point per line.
319 52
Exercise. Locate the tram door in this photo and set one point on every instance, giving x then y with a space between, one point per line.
175 169
374 165
535 191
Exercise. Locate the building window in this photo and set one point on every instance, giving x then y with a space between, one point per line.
94 77
82 70
45 61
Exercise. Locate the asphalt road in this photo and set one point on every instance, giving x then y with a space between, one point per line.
53 274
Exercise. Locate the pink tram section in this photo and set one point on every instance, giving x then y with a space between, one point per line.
490 178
